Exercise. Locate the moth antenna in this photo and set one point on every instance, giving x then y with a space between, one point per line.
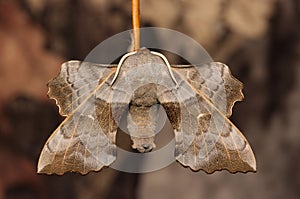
120 65
169 67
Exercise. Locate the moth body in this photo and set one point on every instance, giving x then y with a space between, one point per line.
142 118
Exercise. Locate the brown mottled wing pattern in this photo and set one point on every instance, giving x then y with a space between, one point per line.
85 141
76 81
199 110
215 83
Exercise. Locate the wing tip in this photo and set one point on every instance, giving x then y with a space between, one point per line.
252 161
250 169
47 171
248 164
50 168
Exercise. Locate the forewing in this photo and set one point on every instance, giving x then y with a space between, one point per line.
215 82
85 141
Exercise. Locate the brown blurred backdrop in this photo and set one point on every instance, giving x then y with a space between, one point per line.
258 39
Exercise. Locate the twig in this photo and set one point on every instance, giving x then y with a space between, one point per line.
136 23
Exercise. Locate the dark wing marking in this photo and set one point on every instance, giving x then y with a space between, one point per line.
181 106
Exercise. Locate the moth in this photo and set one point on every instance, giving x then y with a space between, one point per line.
197 99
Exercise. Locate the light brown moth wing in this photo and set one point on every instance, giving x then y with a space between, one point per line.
85 141
75 82
215 82
218 144
205 138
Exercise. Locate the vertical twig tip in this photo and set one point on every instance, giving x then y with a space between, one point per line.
136 24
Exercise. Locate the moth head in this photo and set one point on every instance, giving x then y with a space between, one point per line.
143 145
141 133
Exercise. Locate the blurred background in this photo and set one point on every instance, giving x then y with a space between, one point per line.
258 39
